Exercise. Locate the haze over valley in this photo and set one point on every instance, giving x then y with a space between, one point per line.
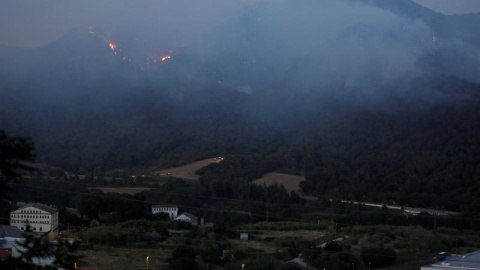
309 78
366 100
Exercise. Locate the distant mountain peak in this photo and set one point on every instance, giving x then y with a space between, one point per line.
406 8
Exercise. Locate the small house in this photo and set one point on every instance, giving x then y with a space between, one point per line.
9 235
187 217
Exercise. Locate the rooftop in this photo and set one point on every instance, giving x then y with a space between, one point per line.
190 216
10 231
467 261
164 206
42 207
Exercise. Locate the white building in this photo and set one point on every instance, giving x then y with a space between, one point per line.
35 217
171 210
187 217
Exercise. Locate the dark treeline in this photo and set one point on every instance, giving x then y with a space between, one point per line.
78 204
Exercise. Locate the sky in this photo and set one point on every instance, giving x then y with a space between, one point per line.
450 7
32 23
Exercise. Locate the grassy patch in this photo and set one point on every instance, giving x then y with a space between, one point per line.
289 181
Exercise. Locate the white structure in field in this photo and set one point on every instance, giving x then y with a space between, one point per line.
171 210
35 217
187 217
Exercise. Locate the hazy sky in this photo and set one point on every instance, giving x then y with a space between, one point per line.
451 6
31 23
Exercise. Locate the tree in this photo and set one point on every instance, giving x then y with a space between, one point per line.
183 263
14 153
378 256
183 258
184 251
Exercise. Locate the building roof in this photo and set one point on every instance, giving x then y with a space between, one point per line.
40 206
165 206
467 261
10 231
190 216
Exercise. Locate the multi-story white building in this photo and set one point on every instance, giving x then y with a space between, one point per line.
171 210
35 217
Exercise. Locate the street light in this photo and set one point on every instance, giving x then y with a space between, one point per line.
75 266
243 266
147 262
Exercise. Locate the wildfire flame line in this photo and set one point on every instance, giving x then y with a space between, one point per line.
118 51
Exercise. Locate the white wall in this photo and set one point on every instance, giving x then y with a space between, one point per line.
38 220
171 211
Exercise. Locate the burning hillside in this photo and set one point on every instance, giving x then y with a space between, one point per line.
117 49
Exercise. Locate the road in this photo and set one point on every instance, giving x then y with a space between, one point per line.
410 210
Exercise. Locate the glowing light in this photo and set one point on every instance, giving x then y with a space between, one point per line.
112 46
165 58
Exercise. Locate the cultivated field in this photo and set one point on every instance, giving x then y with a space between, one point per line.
187 171
289 181
122 190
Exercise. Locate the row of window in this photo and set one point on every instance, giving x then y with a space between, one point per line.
31 222
30 216
165 209
30 211
33 228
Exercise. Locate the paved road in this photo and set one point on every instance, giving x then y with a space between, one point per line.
410 210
